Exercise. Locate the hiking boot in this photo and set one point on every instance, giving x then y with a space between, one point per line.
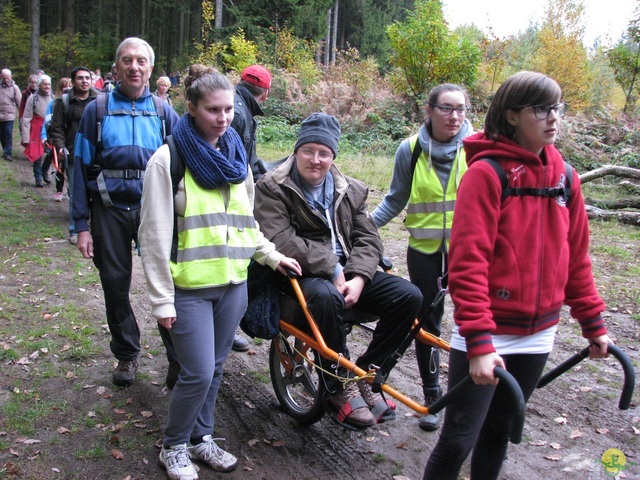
172 375
39 184
125 373
177 462
380 409
57 197
211 454
8 158
430 422
352 408
240 344
45 178
73 239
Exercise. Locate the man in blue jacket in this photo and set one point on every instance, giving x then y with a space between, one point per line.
117 135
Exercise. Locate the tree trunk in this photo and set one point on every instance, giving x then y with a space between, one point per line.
610 170
630 218
218 15
334 32
617 204
327 41
34 57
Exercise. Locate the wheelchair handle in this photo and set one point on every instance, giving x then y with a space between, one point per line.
517 400
627 367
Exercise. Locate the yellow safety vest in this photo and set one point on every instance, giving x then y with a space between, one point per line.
430 209
216 239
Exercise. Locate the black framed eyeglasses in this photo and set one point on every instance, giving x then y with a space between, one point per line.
447 110
542 112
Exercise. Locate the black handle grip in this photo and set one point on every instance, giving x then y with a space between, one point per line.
627 368
517 400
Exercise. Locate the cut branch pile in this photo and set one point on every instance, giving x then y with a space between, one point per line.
625 210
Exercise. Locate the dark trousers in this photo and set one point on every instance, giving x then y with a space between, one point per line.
113 232
6 137
480 420
424 271
392 298
42 165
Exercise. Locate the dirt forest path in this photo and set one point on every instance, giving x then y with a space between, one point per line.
269 444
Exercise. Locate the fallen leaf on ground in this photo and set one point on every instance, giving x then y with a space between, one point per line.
117 454
553 458
63 430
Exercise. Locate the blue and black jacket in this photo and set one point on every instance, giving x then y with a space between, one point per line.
130 134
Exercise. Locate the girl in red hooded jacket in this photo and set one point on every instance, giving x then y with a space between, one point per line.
513 263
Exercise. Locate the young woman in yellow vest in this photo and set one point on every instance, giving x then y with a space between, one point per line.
200 294
426 175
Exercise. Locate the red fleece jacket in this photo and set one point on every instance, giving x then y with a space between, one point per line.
513 263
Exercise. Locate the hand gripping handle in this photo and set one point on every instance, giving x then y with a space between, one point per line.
517 400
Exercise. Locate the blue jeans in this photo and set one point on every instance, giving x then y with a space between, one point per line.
202 335
6 137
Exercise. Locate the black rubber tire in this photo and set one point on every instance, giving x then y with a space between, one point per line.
295 380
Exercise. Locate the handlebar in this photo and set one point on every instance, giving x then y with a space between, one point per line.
517 400
627 367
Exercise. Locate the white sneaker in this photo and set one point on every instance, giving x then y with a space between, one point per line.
177 462
213 455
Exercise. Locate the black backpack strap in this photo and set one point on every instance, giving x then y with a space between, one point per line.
177 174
535 192
415 155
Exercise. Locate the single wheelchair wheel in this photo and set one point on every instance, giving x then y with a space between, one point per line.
295 380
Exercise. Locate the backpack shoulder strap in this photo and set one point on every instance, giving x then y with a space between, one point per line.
101 107
177 173
157 101
177 164
501 175
535 192
415 155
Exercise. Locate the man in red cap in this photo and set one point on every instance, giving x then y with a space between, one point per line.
253 89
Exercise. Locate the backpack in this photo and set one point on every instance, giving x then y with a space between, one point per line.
177 173
514 192
532 192
102 103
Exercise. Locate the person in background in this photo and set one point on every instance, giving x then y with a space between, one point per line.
251 91
200 294
314 213
35 112
64 125
426 175
61 87
163 84
32 87
98 84
513 263
10 99
110 162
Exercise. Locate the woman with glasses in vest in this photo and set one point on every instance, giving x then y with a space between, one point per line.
198 291
514 262
426 174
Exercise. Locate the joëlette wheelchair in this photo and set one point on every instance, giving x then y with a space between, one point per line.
295 379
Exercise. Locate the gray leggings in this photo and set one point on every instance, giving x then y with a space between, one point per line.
202 335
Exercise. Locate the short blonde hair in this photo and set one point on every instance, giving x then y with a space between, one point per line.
163 81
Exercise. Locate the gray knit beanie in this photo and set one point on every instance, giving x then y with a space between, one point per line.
319 128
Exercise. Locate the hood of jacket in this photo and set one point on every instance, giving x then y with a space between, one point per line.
478 146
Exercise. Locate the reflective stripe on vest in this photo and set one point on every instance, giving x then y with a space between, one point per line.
430 209
215 242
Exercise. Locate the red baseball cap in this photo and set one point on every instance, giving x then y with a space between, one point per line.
257 75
